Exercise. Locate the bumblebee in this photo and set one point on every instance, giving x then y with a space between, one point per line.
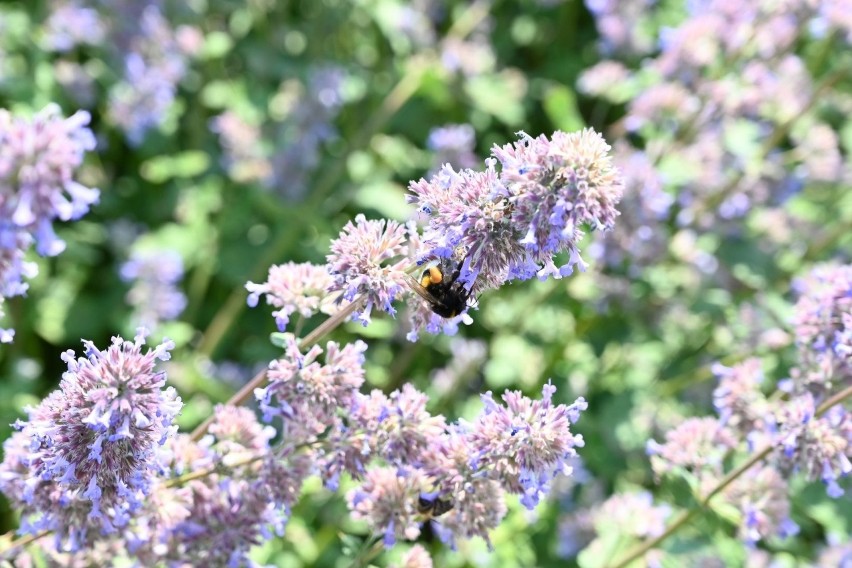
440 286
430 505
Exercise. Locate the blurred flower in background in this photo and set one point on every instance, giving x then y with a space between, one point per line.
154 294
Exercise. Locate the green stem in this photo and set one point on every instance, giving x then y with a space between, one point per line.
372 548
686 516
19 543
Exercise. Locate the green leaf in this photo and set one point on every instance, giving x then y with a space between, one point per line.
560 104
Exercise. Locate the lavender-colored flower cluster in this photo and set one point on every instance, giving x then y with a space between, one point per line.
453 144
796 437
219 517
87 456
38 159
507 224
713 111
406 459
369 258
154 295
497 226
294 288
517 448
306 393
70 25
823 320
698 445
763 496
155 64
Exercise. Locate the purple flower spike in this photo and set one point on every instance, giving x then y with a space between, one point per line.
508 224
527 442
90 448
155 294
37 160
293 288
369 258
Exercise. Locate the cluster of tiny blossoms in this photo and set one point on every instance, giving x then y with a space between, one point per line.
800 440
155 295
296 130
407 459
797 440
729 114
509 224
86 458
468 468
498 225
153 67
38 157
823 322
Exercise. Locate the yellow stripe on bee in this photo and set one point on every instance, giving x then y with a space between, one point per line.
435 275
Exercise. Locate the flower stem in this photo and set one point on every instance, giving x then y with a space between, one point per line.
687 516
20 542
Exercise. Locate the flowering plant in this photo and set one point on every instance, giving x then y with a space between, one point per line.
545 283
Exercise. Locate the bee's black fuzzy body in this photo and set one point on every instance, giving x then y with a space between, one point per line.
447 295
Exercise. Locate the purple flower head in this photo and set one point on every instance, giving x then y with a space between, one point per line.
227 517
37 162
468 212
558 185
527 442
415 557
244 155
70 25
699 445
823 320
369 258
508 225
93 443
352 440
762 495
819 447
293 288
388 500
235 435
478 508
632 514
406 430
738 399
155 275
154 66
453 144
308 394
241 445
221 515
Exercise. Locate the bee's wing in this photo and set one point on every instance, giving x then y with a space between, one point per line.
421 291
